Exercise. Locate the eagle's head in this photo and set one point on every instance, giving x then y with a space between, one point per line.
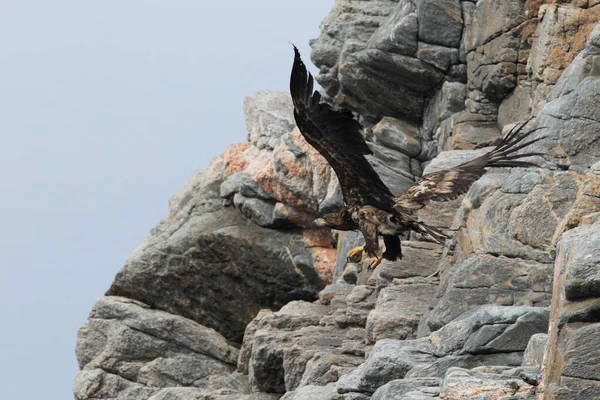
341 220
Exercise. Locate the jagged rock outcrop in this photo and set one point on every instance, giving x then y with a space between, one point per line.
234 296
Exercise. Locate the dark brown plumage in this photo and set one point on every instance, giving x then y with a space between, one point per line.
369 205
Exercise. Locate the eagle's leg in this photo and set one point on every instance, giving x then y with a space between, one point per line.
355 255
375 262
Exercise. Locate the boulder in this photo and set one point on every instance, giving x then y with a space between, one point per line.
128 350
464 384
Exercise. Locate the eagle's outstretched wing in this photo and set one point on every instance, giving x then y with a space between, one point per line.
451 183
336 135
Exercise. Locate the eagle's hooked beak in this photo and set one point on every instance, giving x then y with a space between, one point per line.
319 223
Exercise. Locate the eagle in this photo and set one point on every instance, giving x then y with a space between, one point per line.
369 205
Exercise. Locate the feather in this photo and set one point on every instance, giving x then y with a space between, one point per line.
451 183
337 136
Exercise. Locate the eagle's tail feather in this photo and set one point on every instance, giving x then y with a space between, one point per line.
433 233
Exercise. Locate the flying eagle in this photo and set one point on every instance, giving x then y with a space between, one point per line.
369 205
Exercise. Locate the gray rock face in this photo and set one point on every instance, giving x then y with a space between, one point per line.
464 384
399 33
573 122
236 255
389 360
572 357
202 394
399 309
490 329
582 259
397 390
207 243
440 22
448 100
534 353
188 266
268 118
130 351
407 46
296 347
312 392
398 135
488 280
419 259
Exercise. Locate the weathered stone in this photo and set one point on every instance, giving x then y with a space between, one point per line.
312 392
242 183
448 100
440 22
292 348
332 294
398 135
399 308
492 280
333 199
582 258
99 384
572 358
586 64
360 302
572 126
344 58
481 28
128 350
183 393
501 222
493 68
389 360
116 320
472 131
464 384
439 367
268 117
439 56
205 243
398 34
457 73
574 388
517 106
476 331
288 341
396 390
246 350
394 168
351 396
401 92
325 367
560 36
418 259
264 213
534 353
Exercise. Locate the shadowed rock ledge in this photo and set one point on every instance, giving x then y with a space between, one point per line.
234 296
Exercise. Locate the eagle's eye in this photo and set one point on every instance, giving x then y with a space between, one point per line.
392 220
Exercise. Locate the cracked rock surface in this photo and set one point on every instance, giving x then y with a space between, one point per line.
234 296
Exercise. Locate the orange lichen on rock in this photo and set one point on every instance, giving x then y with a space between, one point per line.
287 177
231 161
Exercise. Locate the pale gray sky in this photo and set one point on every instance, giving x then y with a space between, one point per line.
106 108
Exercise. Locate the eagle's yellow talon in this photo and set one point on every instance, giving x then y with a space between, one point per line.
355 255
375 262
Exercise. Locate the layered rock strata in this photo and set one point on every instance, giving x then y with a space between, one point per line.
234 296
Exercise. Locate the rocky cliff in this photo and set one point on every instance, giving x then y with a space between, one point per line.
234 296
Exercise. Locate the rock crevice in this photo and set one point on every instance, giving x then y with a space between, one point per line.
235 296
